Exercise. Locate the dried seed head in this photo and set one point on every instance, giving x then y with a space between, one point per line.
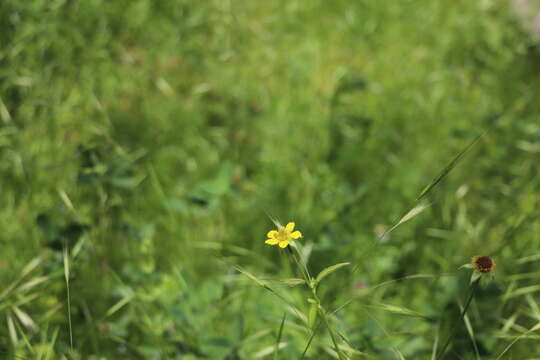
483 264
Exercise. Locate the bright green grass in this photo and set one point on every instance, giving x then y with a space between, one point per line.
151 138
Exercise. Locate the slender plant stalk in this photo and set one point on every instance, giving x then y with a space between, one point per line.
304 269
474 286
280 333
323 315
311 339
66 276
307 277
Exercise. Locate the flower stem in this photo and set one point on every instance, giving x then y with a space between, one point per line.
302 267
334 341
474 286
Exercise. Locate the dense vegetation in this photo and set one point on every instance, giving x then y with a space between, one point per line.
143 145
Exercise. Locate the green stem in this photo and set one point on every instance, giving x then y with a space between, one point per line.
474 286
312 336
307 277
323 315
303 269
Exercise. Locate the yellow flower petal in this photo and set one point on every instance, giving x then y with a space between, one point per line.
289 227
272 234
271 241
296 235
283 244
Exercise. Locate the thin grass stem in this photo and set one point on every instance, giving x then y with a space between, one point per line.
66 277
474 286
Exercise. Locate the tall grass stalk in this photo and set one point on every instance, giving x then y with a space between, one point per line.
66 277
313 286
473 288
280 333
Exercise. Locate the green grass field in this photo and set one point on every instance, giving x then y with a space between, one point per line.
146 146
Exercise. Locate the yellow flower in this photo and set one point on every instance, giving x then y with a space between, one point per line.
483 264
283 235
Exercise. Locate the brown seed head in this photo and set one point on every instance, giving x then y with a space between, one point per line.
483 264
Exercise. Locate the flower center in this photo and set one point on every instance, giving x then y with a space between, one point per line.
484 263
282 234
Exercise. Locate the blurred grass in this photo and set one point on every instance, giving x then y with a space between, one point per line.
149 138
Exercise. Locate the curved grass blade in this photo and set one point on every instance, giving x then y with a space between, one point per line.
415 210
534 328
449 167
327 271
66 277
280 333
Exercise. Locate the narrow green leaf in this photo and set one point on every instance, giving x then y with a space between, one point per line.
280 333
340 355
31 266
25 338
266 287
325 272
348 347
312 318
435 344
475 276
398 354
400 310
4 113
449 167
66 266
311 337
523 291
50 350
408 216
66 200
292 282
267 351
32 282
533 305
251 276
66 276
509 323
24 318
530 258
120 304
256 336
11 329
25 271
470 331
534 328
421 207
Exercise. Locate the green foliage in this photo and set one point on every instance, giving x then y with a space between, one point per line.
142 144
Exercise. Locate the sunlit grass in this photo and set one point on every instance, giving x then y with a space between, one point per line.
142 144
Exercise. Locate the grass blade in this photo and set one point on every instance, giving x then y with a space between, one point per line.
408 216
534 328
449 167
66 277
470 331
311 337
327 271
417 209
435 343
24 318
50 349
398 310
12 331
34 263
120 304
266 351
332 336
280 333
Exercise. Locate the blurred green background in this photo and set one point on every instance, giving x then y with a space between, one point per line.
150 139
